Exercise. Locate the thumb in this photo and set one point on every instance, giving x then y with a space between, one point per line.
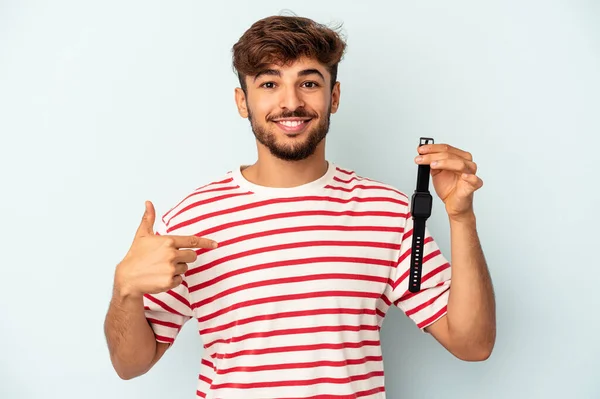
147 224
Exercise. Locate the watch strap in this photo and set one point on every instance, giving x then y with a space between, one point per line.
419 226
416 255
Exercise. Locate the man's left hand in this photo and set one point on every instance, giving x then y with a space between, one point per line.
453 176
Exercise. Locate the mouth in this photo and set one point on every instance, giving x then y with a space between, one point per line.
292 125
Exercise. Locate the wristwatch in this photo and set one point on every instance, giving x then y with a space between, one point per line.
420 209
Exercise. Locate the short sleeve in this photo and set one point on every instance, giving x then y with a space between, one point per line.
430 303
167 312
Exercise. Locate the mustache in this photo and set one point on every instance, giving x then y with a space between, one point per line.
298 113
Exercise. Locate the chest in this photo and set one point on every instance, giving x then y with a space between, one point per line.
294 257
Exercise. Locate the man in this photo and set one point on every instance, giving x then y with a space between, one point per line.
289 265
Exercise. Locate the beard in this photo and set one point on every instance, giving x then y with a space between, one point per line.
297 151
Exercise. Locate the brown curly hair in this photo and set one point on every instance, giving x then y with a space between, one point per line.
281 40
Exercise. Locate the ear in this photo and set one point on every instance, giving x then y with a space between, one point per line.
335 97
240 100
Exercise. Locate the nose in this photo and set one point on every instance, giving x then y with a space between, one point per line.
291 99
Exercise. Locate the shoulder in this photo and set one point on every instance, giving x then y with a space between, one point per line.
364 186
186 206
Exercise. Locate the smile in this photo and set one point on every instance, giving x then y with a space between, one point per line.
292 125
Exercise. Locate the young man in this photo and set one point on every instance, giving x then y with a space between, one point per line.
289 265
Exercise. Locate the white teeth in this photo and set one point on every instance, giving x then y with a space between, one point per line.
291 123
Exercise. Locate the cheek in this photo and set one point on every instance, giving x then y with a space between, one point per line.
321 103
264 107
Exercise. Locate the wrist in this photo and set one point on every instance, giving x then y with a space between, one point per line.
124 293
465 218
122 290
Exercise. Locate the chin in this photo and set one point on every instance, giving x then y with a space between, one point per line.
291 141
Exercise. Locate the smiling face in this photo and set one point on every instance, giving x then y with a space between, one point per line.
289 108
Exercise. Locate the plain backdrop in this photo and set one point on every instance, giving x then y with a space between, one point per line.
106 104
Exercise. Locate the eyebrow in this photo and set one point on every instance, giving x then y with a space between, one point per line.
274 72
307 72
267 72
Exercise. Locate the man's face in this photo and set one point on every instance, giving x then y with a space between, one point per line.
289 107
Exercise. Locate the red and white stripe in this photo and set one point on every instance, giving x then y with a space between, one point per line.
291 303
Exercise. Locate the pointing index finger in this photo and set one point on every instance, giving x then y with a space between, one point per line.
192 242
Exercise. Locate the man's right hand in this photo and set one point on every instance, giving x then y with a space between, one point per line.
155 263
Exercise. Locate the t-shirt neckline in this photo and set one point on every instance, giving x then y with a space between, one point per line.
303 189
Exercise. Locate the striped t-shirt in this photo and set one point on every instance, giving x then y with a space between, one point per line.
291 303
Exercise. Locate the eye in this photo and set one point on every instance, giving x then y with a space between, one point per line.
310 85
268 85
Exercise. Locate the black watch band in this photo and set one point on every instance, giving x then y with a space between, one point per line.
420 210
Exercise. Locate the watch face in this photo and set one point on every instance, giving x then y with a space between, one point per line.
421 205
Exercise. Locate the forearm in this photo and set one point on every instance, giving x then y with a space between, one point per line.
471 304
130 338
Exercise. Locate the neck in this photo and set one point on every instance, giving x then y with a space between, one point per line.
269 171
